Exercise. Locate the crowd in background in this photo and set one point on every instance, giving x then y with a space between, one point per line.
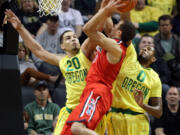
157 24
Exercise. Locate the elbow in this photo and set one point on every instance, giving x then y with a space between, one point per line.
86 30
159 114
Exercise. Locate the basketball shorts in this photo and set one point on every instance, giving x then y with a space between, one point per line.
127 124
94 104
63 116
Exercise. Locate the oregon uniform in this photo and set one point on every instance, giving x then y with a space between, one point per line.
74 70
126 116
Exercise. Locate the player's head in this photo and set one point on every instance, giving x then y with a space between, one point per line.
147 55
146 40
124 30
69 42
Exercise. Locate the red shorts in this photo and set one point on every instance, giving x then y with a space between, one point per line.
94 104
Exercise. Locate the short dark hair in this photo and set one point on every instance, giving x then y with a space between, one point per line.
61 37
53 18
128 31
165 17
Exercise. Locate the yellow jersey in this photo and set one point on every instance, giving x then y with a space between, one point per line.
133 76
74 70
166 6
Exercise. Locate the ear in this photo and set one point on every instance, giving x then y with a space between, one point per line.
62 46
153 59
119 33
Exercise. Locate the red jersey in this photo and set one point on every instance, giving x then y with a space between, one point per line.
102 71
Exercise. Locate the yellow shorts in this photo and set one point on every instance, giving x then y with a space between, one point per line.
127 124
63 116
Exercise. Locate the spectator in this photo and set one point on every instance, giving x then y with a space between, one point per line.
30 17
176 19
166 6
29 74
70 19
49 39
145 18
160 65
41 113
168 47
86 7
24 60
169 123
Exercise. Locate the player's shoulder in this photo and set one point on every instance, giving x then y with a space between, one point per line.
154 75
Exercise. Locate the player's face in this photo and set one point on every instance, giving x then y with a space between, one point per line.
115 32
70 42
172 96
146 41
147 53
41 94
165 27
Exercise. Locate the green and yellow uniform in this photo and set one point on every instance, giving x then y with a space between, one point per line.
166 6
126 116
74 70
147 19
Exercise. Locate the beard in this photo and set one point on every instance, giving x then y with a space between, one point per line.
76 50
143 60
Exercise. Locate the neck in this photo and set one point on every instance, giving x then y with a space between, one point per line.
42 103
166 36
51 32
145 65
65 9
173 108
71 54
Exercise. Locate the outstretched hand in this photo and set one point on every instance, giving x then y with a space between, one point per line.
13 19
139 96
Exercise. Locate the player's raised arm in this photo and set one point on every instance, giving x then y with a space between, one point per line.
30 42
91 28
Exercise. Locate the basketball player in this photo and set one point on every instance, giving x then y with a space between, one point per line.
135 85
74 65
97 97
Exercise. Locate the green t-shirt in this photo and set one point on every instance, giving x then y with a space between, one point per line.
41 119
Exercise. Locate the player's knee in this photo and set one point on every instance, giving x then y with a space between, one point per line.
76 128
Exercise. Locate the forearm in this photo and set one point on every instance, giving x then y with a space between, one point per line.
148 26
30 72
93 24
153 110
30 42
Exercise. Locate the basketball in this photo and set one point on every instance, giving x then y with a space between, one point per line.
130 4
